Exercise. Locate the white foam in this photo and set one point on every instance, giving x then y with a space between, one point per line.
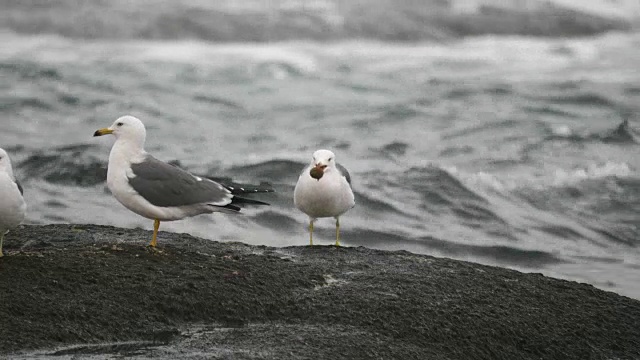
561 130
556 177
482 180
201 52
593 171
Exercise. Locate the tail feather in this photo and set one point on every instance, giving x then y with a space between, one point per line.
229 208
242 189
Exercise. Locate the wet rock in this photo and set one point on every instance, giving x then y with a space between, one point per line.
91 291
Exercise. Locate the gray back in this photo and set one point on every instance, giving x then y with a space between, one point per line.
344 172
20 187
166 185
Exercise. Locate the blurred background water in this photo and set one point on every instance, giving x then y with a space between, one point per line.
501 132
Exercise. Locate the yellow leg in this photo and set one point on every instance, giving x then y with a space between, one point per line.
156 226
310 232
337 232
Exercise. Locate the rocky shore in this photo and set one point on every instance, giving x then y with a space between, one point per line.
96 291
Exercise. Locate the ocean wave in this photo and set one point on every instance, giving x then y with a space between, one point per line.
622 134
502 254
558 177
285 20
581 99
486 127
278 70
438 187
456 150
601 210
552 110
484 180
276 171
276 220
392 150
215 100
16 103
443 193
560 231
73 165
29 70
496 254
618 234
564 177
457 91
597 204
375 206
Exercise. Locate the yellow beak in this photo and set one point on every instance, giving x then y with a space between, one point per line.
104 131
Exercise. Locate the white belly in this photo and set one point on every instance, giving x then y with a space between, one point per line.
12 205
331 196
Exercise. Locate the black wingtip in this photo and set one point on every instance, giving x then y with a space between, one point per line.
232 207
246 201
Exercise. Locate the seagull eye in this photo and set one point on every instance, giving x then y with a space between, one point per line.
330 159
119 124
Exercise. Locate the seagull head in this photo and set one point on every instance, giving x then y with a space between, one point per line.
127 128
5 163
323 161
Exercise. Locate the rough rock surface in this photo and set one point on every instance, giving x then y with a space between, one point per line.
96 291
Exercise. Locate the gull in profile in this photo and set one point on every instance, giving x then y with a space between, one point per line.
12 205
324 190
155 189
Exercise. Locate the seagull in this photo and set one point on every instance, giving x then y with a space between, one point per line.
157 190
324 190
12 205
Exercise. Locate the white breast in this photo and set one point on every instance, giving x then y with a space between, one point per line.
331 196
117 181
12 206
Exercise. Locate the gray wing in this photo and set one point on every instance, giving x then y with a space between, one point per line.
19 187
166 185
344 172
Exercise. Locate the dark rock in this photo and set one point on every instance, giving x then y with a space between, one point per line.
92 291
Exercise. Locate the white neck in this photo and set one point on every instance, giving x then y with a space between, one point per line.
7 168
126 152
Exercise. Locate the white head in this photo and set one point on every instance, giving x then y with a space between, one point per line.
127 128
5 163
323 161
